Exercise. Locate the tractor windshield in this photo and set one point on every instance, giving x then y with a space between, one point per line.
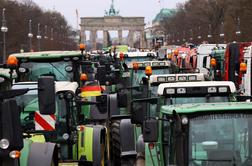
137 77
62 70
186 100
28 103
137 59
220 139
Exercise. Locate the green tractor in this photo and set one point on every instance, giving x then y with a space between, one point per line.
62 65
138 69
11 134
200 134
57 131
107 111
170 94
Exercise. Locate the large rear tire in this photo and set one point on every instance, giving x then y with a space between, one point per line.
117 160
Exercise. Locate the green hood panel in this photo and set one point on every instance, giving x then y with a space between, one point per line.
206 107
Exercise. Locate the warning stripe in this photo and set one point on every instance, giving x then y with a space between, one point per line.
44 122
53 117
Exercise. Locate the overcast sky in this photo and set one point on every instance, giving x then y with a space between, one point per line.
143 8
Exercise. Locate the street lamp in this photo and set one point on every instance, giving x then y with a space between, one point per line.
30 35
39 36
238 31
191 32
222 30
184 36
4 29
199 36
51 33
45 32
209 31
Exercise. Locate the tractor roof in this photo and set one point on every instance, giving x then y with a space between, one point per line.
60 86
213 85
151 63
207 107
139 54
48 54
181 77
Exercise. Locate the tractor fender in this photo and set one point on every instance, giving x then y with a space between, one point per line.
41 154
140 145
114 110
127 138
99 137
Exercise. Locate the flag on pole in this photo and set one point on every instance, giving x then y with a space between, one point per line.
91 89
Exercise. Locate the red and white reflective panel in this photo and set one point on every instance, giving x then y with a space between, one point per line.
44 122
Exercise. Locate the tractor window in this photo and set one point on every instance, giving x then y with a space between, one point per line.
137 77
222 139
56 69
186 100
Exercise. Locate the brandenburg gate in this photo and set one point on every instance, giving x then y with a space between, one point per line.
113 22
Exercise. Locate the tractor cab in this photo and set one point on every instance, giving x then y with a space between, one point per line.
156 80
62 65
202 134
158 68
138 56
57 127
197 92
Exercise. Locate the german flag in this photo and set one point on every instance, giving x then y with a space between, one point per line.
90 89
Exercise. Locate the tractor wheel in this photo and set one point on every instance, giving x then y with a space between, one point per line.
115 142
117 160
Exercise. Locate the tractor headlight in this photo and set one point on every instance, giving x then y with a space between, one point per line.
184 120
182 78
65 136
161 79
69 95
223 89
170 91
181 90
4 143
171 79
211 89
192 78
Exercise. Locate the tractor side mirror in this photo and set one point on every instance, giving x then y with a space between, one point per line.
150 130
10 125
46 95
140 109
122 98
206 62
138 112
101 75
102 103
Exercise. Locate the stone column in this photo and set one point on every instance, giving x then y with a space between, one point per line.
130 38
142 39
120 36
82 36
93 39
105 38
